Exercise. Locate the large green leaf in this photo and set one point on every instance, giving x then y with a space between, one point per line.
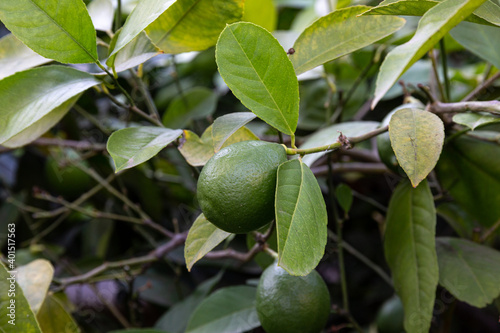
16 57
225 126
193 25
29 98
228 310
57 29
143 15
435 23
469 271
175 320
331 133
301 218
135 145
202 238
482 40
196 103
18 318
339 33
473 120
470 170
410 252
137 51
487 13
461 222
417 138
53 317
257 70
35 278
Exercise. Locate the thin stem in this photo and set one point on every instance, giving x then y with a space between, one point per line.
432 55
342 141
444 64
91 118
492 107
153 111
79 145
117 84
473 94
134 109
490 231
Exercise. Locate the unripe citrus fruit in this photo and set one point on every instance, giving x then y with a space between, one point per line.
236 187
390 318
292 304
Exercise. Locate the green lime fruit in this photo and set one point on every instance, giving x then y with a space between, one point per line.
390 318
292 304
236 187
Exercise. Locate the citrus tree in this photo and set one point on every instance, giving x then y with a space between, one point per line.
173 151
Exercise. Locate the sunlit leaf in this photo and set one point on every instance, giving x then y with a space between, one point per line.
469 271
435 23
202 238
301 218
261 12
59 30
258 72
102 13
35 278
16 57
339 33
417 138
135 145
410 252
139 50
225 126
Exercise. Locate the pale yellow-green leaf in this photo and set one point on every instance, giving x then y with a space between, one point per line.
53 317
202 238
261 12
35 279
417 138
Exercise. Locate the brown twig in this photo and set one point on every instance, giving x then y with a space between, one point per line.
486 106
350 167
473 94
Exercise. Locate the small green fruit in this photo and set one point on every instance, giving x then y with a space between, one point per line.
292 304
236 187
390 318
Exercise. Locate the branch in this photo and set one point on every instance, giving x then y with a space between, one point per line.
486 106
79 145
350 167
473 94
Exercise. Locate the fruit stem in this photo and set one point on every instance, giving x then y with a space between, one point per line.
271 252
342 142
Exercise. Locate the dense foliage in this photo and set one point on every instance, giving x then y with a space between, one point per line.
388 113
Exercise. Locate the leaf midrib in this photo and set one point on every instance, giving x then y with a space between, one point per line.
64 30
168 32
262 81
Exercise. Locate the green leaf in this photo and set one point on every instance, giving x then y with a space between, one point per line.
143 15
102 14
330 134
193 25
262 13
469 170
344 197
410 252
469 271
175 320
339 33
435 23
487 13
138 51
21 319
484 41
59 30
196 103
473 120
29 98
16 57
228 310
135 145
257 70
417 138
35 278
300 218
461 222
225 126
53 317
197 151
202 238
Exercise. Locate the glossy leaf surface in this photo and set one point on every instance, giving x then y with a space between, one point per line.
202 238
30 97
339 33
59 30
473 120
417 138
435 23
257 70
227 125
410 252
135 145
230 309
469 271
301 218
